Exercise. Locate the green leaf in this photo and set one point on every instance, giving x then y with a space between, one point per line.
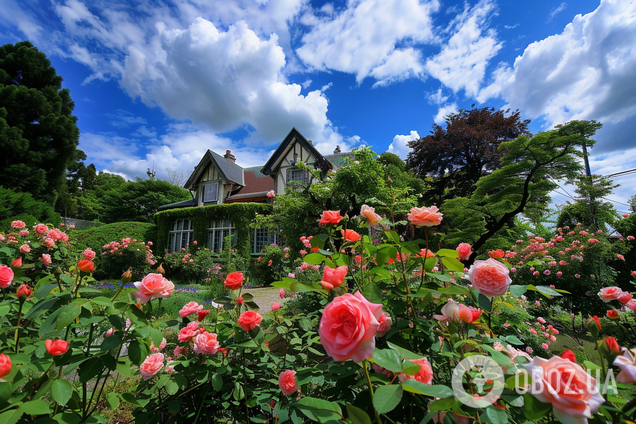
405 353
90 369
387 397
534 409
171 387
112 400
357 415
547 291
452 264
514 340
318 409
101 300
137 352
45 290
384 273
156 336
438 391
61 391
385 253
388 358
11 416
217 381
454 290
41 306
516 290
484 302
283 284
496 415
441 277
372 293
500 358
442 404
449 253
67 315
48 326
35 407
314 258
392 236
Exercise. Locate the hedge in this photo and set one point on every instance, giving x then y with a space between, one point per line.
97 237
240 214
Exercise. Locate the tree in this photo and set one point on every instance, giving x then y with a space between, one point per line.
38 134
22 206
522 185
176 177
590 208
466 150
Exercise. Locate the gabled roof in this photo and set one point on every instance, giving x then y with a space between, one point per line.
230 171
273 164
181 204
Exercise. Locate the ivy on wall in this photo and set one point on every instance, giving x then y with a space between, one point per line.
240 214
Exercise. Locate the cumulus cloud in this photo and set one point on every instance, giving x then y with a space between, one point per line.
444 111
400 147
366 38
585 72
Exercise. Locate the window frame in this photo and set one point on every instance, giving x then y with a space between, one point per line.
205 191
225 228
181 234
289 176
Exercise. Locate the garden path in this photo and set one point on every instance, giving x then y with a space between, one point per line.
264 297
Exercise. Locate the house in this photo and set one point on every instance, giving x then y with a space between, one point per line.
226 196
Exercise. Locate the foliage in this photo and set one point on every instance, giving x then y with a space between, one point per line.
118 256
23 206
272 264
97 237
200 267
457 155
38 134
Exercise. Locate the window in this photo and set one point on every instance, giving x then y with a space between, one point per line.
211 192
218 231
263 237
299 175
180 235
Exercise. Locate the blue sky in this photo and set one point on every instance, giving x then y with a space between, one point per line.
156 83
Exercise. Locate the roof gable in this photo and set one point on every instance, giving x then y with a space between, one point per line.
274 162
230 171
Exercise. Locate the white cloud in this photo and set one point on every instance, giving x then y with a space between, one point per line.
586 72
511 26
462 62
399 145
444 111
556 10
363 39
437 97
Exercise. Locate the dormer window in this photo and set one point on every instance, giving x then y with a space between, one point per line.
211 192
298 175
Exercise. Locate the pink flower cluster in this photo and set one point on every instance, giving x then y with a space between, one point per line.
116 248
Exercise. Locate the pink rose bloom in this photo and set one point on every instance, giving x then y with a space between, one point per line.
287 382
559 273
6 276
626 362
249 320
190 308
455 312
25 248
532 330
55 234
541 320
24 233
189 331
151 365
630 238
49 242
46 259
162 345
385 325
41 229
369 213
348 326
621 257
490 277
153 286
281 293
506 324
631 305
464 250
89 255
624 297
303 252
425 217
275 306
177 351
564 384
333 278
18 224
110 332
206 343
271 194
607 294
424 375
545 346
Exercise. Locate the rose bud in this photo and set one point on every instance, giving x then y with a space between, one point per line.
86 266
126 276
17 263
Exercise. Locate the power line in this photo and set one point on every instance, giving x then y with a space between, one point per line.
619 174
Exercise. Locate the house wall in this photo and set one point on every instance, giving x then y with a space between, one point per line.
303 155
211 174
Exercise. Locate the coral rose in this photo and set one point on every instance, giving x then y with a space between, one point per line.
151 365
333 278
607 294
613 314
154 286
571 391
41 229
234 280
86 266
569 355
627 364
287 382
5 365
190 308
275 306
424 375
329 217
348 326
369 213
24 290
425 217
206 343
350 235
17 263
490 277
57 347
6 276
249 320
625 297
464 250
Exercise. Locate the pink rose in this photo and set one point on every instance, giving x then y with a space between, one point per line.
110 332
348 326
626 362
154 286
427 217
249 320
369 213
490 277
5 365
206 343
41 229
25 248
275 306
18 224
424 375
56 347
234 280
333 278
571 391
385 322
189 331
464 250
190 308
46 259
456 312
281 292
162 345
329 217
287 382
177 351
625 297
89 255
271 194
151 365
607 294
350 235
6 276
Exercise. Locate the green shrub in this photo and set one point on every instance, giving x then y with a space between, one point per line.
191 268
97 237
116 257
22 206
